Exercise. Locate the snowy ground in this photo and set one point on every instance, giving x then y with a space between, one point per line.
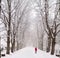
28 52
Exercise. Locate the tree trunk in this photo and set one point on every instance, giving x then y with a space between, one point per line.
0 37
9 27
49 43
8 42
0 47
13 46
47 24
53 46
17 45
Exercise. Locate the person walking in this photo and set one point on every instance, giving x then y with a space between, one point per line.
35 49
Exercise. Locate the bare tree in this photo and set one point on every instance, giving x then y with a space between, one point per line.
56 25
9 26
47 25
16 26
44 12
52 31
7 20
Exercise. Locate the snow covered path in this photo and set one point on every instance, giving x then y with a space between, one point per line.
28 52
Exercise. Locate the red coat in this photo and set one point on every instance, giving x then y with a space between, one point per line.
35 49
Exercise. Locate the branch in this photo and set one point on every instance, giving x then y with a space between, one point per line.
5 15
58 32
22 14
18 5
19 20
57 25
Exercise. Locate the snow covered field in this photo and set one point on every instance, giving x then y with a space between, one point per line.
29 52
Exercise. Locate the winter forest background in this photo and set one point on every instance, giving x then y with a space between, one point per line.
29 23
